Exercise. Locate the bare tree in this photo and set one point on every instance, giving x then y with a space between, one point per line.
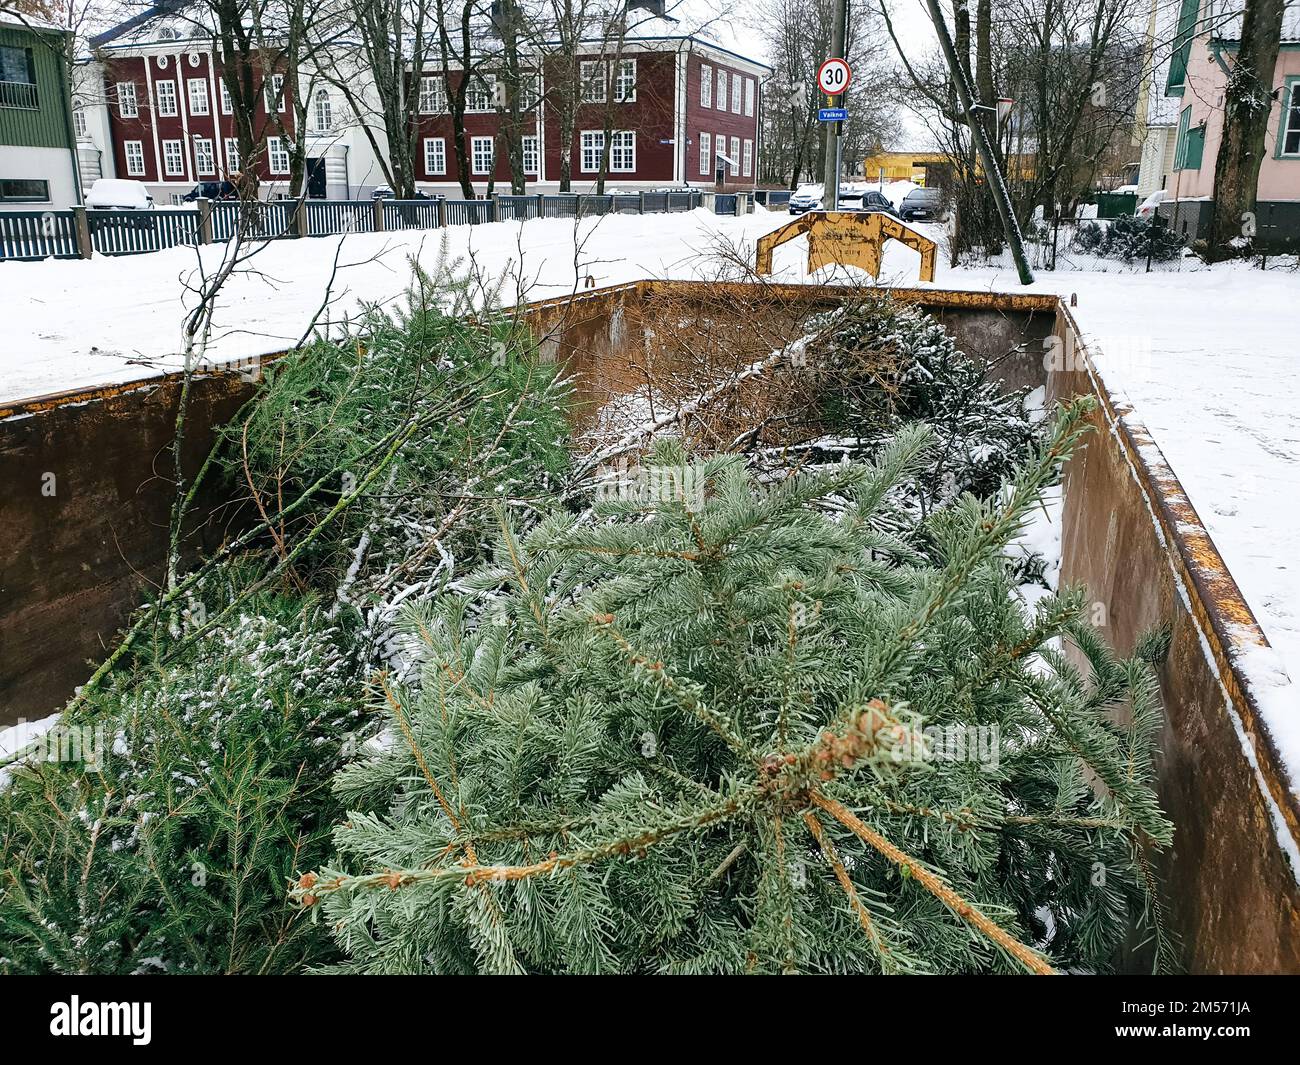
800 34
1247 103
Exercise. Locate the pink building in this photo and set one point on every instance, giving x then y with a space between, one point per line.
1208 33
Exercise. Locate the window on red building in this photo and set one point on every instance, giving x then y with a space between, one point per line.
165 91
435 156
127 106
204 163
592 75
622 152
593 146
173 158
134 158
625 82
198 96
482 154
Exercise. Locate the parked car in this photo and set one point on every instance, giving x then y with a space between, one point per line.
118 194
867 202
1148 207
923 205
806 198
211 190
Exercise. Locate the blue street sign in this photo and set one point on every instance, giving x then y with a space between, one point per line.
832 114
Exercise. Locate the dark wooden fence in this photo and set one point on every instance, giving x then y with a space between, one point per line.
78 233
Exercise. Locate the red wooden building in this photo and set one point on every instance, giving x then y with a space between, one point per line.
675 107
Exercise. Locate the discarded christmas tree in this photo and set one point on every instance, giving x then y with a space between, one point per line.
740 728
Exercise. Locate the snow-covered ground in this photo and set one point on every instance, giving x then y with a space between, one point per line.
1207 357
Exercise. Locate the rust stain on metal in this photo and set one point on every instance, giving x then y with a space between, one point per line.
1215 598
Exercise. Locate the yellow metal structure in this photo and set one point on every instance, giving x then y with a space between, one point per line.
849 238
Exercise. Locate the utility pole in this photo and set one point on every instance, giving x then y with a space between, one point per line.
831 164
992 172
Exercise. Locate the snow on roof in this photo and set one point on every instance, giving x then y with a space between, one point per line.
1223 19
31 22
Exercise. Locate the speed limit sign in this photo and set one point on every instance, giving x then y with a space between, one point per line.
833 77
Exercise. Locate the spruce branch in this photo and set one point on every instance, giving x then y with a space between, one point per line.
968 912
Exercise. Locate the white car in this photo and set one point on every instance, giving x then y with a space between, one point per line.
1147 208
119 194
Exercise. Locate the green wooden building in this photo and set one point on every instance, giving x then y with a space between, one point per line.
38 160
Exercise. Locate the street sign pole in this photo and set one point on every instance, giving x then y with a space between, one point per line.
831 167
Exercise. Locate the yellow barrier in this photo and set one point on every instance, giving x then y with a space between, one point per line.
849 238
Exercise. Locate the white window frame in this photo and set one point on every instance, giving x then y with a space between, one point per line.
749 97
474 144
128 106
721 99
205 161
530 92
435 151
621 95
173 153
321 100
227 104
197 93
706 155
134 152
433 94
164 91
735 156
273 91
480 96
79 125
275 149
706 85
532 153
594 88
747 158
736 90
591 143
232 155
1290 110
622 141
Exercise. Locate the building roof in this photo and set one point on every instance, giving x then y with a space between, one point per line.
1222 19
31 22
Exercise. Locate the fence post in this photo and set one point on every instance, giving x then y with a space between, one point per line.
204 235
496 210
82 224
577 206
442 212
541 205
641 202
377 205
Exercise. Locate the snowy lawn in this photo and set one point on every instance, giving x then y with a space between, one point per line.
1208 357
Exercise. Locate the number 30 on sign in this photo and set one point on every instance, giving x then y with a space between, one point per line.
833 77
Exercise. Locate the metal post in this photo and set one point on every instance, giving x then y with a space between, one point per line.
831 163
997 183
